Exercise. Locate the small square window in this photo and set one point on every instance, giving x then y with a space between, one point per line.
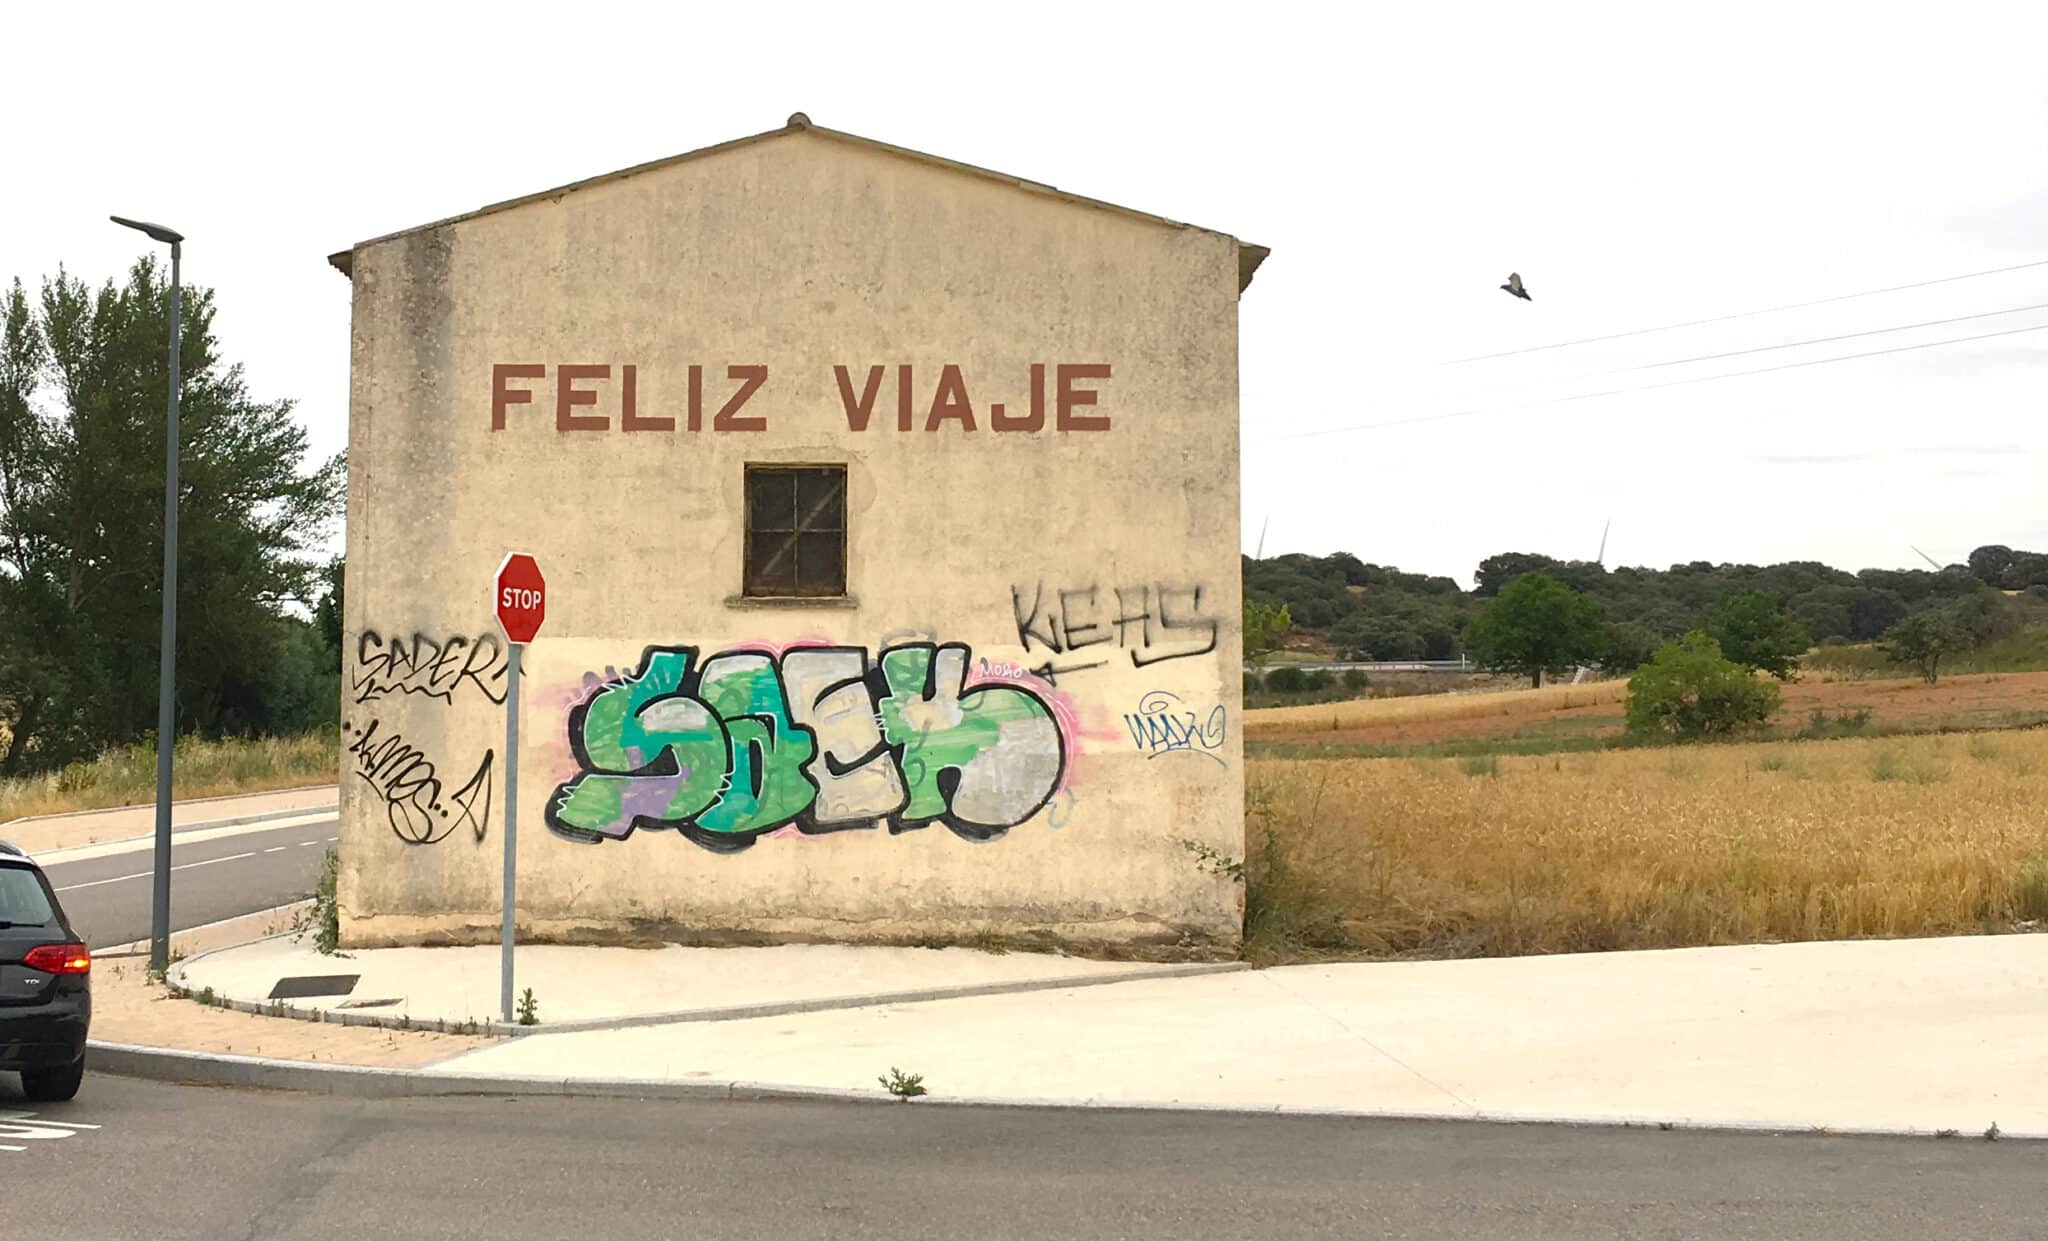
796 531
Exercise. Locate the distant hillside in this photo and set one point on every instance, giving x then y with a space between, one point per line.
1368 611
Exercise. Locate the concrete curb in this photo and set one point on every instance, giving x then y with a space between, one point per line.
175 979
198 1068
53 857
194 801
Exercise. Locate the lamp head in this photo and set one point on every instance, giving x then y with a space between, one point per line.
156 231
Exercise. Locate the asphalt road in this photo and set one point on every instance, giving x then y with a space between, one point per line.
107 898
172 1162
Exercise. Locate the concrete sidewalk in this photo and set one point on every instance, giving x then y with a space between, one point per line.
1912 1035
130 1009
1872 1036
48 833
583 987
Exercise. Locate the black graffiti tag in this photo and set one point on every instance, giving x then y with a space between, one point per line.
406 779
1151 624
431 667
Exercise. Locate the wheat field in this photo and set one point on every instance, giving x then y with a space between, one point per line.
1650 848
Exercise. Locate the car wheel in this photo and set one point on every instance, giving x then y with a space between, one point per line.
53 1085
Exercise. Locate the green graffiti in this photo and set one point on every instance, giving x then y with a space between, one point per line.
650 753
768 759
945 735
724 754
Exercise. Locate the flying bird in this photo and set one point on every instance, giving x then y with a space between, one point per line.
1514 286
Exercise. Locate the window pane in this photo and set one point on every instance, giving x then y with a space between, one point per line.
771 500
821 500
821 564
771 564
21 898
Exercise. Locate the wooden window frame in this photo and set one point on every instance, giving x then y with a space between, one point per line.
798 593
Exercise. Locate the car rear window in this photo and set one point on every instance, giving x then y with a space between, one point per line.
22 899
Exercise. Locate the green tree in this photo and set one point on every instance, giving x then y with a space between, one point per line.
1630 646
1993 563
1535 625
82 395
1688 690
1265 626
1923 639
1986 616
327 612
1495 572
1753 629
1364 635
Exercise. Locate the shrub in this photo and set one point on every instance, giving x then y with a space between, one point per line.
1821 726
1265 627
1316 681
1355 679
1287 680
324 919
1688 690
1923 640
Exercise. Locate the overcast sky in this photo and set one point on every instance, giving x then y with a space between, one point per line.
1639 166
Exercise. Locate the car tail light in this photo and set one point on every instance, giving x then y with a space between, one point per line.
59 958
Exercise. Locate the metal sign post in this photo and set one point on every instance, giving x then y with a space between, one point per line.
505 933
520 600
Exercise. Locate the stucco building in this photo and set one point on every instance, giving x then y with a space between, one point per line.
889 513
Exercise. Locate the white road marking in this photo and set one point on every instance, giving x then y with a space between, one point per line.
185 836
11 1117
304 843
275 849
21 1128
144 874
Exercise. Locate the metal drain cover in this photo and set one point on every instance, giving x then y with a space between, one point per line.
310 985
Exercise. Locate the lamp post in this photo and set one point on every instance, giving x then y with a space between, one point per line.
167 654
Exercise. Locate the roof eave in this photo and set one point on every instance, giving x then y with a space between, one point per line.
1248 256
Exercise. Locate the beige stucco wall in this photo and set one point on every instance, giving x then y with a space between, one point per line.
798 252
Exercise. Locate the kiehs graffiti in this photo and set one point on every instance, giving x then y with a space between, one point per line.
1089 625
819 738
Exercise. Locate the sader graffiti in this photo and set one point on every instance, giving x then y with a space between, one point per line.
819 738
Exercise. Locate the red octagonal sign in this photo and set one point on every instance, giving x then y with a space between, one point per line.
521 597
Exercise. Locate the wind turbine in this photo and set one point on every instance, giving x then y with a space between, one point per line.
1601 559
1929 559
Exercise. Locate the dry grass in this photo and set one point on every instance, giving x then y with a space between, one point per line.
1519 705
202 769
1592 713
1654 848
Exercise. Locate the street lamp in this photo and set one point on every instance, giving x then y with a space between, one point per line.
167 656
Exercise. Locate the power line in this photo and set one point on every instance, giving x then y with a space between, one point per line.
1794 344
1674 383
1768 310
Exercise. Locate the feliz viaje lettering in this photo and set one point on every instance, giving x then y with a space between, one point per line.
604 397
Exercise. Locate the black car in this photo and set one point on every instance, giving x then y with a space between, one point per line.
45 983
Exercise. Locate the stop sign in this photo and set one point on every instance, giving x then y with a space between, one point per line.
521 597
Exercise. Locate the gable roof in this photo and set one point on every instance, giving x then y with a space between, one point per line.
1249 256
